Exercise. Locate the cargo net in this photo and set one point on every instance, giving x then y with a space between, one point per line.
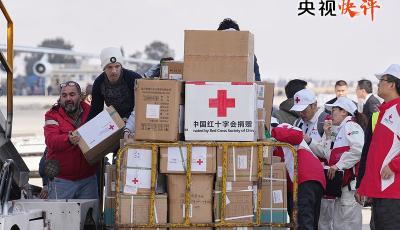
226 185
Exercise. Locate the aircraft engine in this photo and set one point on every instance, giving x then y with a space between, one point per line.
42 68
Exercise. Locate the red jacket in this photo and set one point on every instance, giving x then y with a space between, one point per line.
73 165
384 150
309 166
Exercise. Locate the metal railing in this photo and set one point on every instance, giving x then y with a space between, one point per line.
8 66
223 223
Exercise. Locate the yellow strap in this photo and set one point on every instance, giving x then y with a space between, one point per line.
374 120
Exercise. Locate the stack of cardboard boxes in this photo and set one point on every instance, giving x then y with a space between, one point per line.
222 103
240 177
274 194
134 198
110 179
203 168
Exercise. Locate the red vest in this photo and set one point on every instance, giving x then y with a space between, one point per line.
309 166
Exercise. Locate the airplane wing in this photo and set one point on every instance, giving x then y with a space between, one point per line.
45 50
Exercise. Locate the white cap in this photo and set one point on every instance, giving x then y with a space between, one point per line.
302 99
110 55
394 70
344 103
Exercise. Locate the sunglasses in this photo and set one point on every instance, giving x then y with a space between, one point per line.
69 83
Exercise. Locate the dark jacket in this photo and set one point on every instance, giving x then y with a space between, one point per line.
364 152
284 114
73 165
123 99
371 105
256 70
42 173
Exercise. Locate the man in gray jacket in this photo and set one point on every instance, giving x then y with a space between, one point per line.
284 114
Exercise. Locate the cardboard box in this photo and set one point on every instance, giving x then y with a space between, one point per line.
172 70
136 171
135 209
109 211
265 98
268 155
242 163
274 189
200 194
100 135
159 110
276 159
223 56
261 123
225 111
173 159
239 202
110 180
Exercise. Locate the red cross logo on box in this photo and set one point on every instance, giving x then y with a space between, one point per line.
135 181
222 103
199 161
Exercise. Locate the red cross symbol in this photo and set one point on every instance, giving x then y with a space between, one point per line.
349 133
135 181
222 103
199 161
297 100
390 117
111 127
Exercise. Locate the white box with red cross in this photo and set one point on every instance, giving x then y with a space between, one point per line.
135 171
220 111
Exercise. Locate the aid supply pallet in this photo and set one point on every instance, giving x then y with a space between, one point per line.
186 223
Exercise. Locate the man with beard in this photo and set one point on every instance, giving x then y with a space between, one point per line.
76 178
115 86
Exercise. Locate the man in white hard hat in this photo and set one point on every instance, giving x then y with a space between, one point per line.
115 86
